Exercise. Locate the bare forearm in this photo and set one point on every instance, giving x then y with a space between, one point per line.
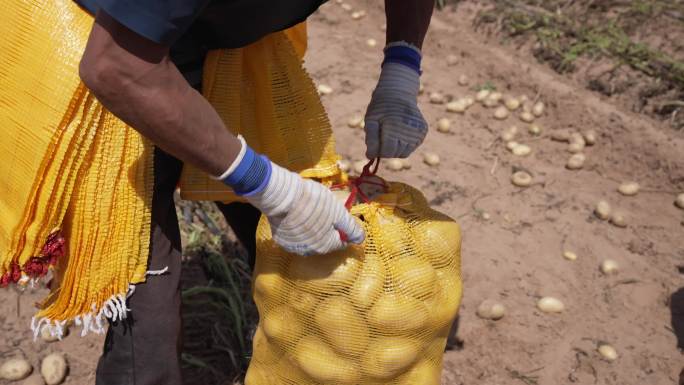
408 20
141 86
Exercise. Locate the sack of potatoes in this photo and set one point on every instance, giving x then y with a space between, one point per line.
376 313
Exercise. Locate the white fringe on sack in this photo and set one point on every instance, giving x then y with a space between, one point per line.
114 309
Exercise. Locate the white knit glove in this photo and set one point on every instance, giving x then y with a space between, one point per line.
305 217
394 125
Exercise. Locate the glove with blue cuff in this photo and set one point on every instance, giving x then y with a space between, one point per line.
394 125
304 215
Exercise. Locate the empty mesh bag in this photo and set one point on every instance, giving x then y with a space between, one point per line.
377 313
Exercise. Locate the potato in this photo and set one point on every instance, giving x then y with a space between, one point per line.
371 42
589 137
397 314
324 89
54 368
521 179
577 143
268 284
344 165
501 113
538 109
560 135
511 145
321 363
457 106
355 121
358 15
431 159
618 219
569 255
629 188
368 286
576 162
489 102
521 150
414 276
336 269
424 373
451 59
346 7
258 375
15 369
303 301
468 101
509 134
550 305
608 352
490 309
342 326
511 103
527 117
281 325
395 164
603 210
482 95
679 201
495 96
463 80
35 379
267 352
444 125
609 267
444 305
388 357
437 98
534 129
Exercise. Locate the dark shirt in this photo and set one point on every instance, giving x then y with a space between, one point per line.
192 27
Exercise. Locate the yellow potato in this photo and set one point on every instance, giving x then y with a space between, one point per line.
368 285
443 237
445 303
268 285
389 357
397 314
337 269
344 328
321 363
302 301
424 373
263 351
415 276
281 325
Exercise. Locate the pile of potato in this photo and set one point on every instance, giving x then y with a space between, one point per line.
378 314
53 370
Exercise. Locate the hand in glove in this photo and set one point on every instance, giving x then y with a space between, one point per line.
305 217
394 125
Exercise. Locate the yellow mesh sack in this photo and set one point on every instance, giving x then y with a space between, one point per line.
372 314
76 182
262 92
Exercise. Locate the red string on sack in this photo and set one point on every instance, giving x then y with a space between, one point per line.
366 177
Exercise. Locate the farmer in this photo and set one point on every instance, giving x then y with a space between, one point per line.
143 62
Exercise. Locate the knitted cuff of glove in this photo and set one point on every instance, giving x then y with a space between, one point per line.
403 53
250 172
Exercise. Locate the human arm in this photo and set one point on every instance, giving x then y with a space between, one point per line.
134 78
394 125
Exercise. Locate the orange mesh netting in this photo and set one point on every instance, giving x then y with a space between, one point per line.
77 182
277 110
372 314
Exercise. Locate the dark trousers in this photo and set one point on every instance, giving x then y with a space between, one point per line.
144 349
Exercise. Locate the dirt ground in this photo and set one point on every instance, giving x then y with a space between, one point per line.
515 256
